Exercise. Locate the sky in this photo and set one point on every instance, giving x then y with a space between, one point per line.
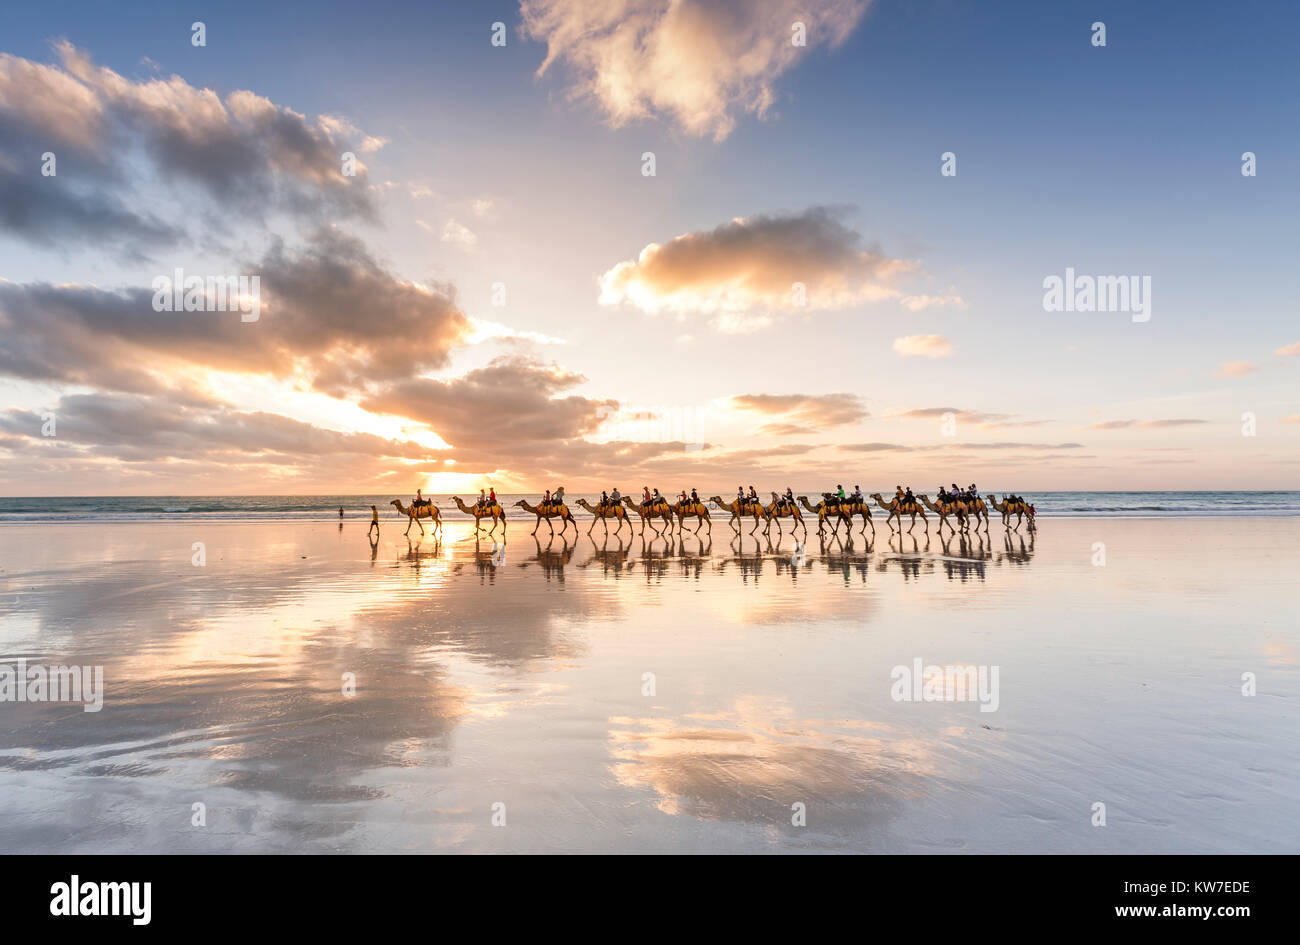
503 294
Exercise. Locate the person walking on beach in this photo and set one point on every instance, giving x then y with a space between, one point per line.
340 511
374 522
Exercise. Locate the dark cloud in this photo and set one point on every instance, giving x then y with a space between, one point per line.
329 311
507 409
803 412
242 153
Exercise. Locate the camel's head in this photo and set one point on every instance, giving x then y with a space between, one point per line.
396 503
876 495
522 503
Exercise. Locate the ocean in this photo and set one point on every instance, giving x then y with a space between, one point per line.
258 508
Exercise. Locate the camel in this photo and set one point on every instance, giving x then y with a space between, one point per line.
822 515
776 511
608 512
894 510
660 509
414 514
1020 509
943 511
554 510
493 511
851 507
737 510
689 509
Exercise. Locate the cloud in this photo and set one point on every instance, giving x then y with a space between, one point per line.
924 346
803 413
311 326
460 234
698 62
1288 351
1141 424
97 431
108 132
1293 418
749 268
917 303
874 448
497 414
896 447
1235 369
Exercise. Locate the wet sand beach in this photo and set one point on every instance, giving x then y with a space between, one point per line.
653 697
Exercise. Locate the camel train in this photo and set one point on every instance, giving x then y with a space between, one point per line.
830 512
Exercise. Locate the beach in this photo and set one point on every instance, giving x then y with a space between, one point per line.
312 693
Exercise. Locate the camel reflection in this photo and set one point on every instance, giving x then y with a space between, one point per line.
552 559
655 557
846 557
749 563
1016 551
612 560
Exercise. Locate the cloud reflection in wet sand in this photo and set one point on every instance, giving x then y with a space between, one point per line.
752 764
485 674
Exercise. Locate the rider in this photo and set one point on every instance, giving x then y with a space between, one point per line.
788 498
695 497
419 498
740 498
546 501
857 494
482 498
898 494
604 499
615 497
645 496
909 500
656 498
492 496
839 493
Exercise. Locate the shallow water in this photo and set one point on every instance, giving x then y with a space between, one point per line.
522 682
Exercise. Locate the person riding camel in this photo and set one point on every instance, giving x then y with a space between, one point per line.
681 500
753 499
419 499
604 500
492 496
787 500
482 498
615 497
695 497
645 496
857 495
909 500
740 499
